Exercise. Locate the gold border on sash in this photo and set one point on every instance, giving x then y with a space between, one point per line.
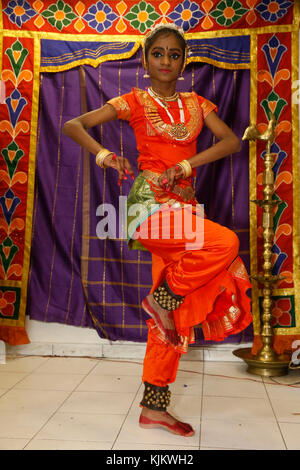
30 190
217 63
31 178
1 51
1 17
127 55
140 38
297 13
89 61
295 291
296 192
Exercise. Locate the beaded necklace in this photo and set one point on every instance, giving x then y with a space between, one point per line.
176 131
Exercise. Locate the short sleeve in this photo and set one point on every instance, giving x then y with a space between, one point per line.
122 105
206 106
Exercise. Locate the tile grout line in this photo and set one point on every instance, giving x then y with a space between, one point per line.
131 408
67 397
225 396
126 416
57 409
97 362
201 411
271 404
23 378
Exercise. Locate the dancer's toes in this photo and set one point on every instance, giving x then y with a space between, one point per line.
186 429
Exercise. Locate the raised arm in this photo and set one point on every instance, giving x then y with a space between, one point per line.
228 142
77 129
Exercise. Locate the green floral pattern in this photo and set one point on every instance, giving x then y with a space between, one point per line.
228 12
142 16
59 15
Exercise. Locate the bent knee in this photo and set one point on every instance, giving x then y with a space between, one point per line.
231 242
234 243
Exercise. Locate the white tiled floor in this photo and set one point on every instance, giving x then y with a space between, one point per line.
83 403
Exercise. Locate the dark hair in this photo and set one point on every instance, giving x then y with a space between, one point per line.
163 31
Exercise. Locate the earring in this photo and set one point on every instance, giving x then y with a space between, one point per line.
146 75
181 78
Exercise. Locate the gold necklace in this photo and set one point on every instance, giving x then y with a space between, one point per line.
176 131
173 97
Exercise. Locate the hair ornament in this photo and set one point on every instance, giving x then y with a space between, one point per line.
172 27
159 26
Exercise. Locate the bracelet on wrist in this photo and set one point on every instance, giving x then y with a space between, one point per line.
101 155
186 168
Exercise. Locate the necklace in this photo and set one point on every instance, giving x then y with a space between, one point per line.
176 131
173 97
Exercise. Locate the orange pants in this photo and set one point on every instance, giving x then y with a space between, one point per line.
212 279
160 363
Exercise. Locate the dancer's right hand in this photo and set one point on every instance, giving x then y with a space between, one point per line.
121 164
169 177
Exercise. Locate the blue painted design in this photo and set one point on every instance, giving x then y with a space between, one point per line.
281 49
19 20
14 114
8 213
195 15
273 16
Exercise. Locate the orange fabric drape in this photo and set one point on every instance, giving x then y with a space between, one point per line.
211 278
14 335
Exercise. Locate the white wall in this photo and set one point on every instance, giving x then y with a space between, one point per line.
53 339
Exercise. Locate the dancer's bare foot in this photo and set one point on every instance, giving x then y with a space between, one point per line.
162 419
163 318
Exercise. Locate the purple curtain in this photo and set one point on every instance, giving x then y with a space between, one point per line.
77 279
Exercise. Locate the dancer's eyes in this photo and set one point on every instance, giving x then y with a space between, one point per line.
174 55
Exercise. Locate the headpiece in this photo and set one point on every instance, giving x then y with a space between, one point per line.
159 26
153 30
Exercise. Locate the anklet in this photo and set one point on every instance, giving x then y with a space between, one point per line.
156 398
166 299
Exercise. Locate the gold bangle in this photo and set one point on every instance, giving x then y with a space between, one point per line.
101 155
186 166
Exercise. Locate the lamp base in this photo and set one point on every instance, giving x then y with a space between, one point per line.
274 368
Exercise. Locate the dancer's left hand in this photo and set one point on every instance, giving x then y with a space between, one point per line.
120 164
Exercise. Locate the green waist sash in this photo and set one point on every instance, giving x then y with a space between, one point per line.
141 204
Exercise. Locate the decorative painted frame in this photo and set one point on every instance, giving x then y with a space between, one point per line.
273 27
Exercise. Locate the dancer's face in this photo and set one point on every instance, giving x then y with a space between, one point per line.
165 58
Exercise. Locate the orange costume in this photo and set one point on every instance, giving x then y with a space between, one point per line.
211 278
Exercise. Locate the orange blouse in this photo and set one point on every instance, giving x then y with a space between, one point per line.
158 149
